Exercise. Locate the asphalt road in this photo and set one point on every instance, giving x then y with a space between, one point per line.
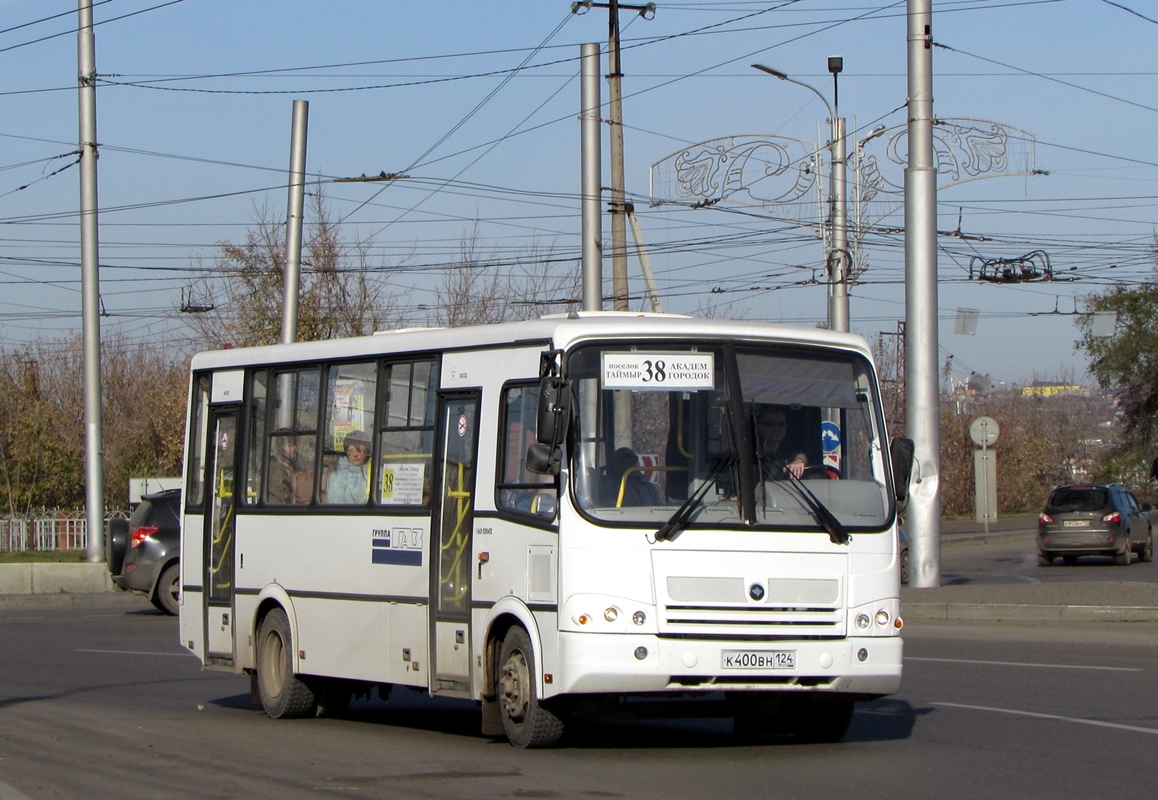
1013 559
102 702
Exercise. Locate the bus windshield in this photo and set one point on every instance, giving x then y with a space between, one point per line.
766 424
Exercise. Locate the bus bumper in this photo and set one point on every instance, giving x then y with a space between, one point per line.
616 663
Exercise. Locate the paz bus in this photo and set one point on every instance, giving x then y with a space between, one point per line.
574 516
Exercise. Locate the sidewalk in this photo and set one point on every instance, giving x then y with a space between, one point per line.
1092 601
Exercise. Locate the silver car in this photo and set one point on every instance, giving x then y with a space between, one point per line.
1093 520
142 554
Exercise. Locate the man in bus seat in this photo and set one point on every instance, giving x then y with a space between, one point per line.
350 482
287 484
773 448
637 489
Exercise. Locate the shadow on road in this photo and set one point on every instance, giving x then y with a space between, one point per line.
882 720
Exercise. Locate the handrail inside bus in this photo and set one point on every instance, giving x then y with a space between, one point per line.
641 468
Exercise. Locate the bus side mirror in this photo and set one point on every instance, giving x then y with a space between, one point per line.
544 459
901 451
554 410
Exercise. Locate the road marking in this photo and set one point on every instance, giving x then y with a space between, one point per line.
130 652
1095 722
1024 664
11 793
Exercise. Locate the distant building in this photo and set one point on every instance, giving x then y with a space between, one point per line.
1039 389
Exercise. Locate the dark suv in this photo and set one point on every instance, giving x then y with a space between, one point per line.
1093 520
142 553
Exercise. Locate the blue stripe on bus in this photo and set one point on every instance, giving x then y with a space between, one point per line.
411 558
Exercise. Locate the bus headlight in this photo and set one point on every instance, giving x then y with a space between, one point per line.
862 621
882 617
611 614
639 618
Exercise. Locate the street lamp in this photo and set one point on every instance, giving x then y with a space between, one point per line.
837 258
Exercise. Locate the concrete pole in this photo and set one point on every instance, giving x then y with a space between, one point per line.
838 257
591 161
293 222
90 287
921 377
619 290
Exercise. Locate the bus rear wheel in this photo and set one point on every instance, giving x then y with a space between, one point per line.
526 722
283 694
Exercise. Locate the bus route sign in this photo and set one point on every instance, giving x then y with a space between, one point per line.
659 372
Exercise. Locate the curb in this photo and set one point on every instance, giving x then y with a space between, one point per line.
993 537
117 599
1012 612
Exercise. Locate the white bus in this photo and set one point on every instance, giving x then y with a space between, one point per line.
586 515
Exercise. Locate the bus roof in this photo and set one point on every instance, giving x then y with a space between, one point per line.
559 331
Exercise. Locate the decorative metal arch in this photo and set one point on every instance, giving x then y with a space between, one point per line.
775 173
783 176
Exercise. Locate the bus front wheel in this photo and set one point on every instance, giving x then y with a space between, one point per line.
283 694
526 722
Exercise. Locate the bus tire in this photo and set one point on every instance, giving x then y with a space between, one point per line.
527 723
283 694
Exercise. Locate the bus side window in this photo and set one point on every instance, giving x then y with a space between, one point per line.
519 489
288 477
351 398
406 435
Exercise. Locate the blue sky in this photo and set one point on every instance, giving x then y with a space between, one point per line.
194 105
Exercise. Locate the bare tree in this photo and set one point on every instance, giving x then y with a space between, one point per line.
341 293
481 289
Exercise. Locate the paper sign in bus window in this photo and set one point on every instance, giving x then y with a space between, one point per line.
402 484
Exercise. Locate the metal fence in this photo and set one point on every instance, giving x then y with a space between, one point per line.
47 531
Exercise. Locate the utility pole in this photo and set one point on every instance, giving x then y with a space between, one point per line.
291 281
90 287
618 208
619 290
837 258
590 164
921 380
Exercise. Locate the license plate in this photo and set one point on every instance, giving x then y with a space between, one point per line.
758 659
1075 523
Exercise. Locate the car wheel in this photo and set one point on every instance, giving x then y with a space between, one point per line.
1147 553
526 722
1124 558
905 566
283 694
167 594
1044 560
116 540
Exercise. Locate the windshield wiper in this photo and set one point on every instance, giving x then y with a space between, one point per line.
824 518
683 514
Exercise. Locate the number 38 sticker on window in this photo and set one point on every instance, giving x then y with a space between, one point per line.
660 372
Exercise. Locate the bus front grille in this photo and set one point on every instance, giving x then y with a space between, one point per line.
752 620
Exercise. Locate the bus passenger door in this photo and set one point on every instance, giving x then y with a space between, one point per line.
453 525
219 538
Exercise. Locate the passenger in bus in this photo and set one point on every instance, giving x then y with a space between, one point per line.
350 483
287 483
774 449
637 489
